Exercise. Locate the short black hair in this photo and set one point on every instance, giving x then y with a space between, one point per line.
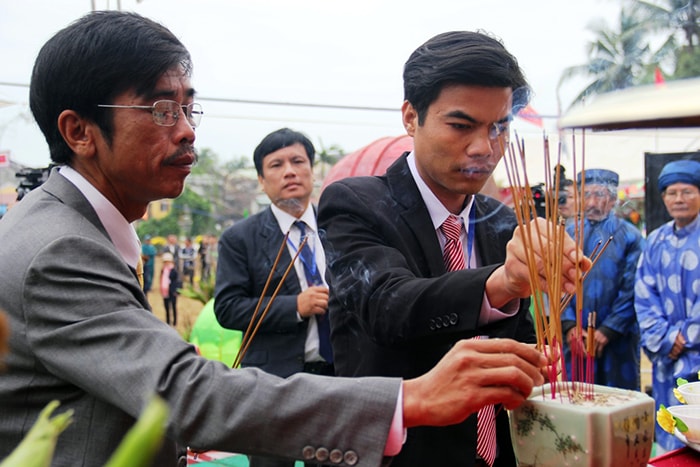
94 59
279 139
461 57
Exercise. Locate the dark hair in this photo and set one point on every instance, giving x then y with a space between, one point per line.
94 59
279 139
461 57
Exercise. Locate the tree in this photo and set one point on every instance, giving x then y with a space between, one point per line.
328 156
199 210
618 58
678 22
207 162
190 215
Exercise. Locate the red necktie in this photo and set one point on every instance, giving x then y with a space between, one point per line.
453 256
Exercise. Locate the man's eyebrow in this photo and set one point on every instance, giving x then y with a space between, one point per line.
168 93
461 115
464 116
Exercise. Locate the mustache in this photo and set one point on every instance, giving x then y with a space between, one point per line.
183 151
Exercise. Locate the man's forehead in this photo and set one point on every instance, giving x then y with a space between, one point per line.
681 186
597 186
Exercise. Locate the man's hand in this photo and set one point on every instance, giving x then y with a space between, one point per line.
600 341
474 373
313 301
512 280
678 347
576 341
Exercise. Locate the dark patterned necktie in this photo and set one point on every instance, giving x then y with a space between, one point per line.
313 277
453 256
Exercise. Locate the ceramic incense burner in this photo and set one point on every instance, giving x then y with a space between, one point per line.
614 428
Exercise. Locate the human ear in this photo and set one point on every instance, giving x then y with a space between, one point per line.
409 118
77 132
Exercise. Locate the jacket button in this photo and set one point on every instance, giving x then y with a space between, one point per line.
321 454
454 318
431 324
308 453
336 456
350 457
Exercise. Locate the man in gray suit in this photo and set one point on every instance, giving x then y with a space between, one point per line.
294 335
112 95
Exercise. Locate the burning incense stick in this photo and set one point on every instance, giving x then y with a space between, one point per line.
548 239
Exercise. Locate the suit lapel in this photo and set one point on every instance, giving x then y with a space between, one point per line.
404 191
63 190
272 239
60 188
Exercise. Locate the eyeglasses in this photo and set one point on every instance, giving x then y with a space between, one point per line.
684 194
166 112
596 194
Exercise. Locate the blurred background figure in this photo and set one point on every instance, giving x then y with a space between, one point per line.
187 257
169 283
565 201
173 247
567 207
148 256
204 253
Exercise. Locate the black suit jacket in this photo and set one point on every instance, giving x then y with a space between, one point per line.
247 251
394 310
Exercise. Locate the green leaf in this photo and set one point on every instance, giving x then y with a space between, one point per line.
37 447
142 441
682 427
681 382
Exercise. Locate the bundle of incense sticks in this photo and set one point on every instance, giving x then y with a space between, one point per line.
255 321
548 238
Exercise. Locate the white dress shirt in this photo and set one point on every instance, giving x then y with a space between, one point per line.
438 213
121 232
286 224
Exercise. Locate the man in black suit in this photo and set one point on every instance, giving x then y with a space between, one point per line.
395 307
293 334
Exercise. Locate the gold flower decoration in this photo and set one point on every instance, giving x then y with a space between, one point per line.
679 396
665 419
668 422
677 393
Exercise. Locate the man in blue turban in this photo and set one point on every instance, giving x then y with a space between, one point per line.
608 288
667 289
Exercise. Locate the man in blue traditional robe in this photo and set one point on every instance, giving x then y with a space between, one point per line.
608 289
667 289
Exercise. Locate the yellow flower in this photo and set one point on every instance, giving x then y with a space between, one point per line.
665 419
678 395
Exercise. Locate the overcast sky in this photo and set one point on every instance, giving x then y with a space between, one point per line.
324 52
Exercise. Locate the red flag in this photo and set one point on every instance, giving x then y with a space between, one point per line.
658 76
4 159
529 114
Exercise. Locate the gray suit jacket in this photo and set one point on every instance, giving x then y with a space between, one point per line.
247 251
81 333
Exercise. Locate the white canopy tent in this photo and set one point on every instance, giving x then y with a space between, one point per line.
675 104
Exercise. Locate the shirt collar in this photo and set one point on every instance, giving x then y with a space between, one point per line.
438 212
688 229
286 220
121 232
